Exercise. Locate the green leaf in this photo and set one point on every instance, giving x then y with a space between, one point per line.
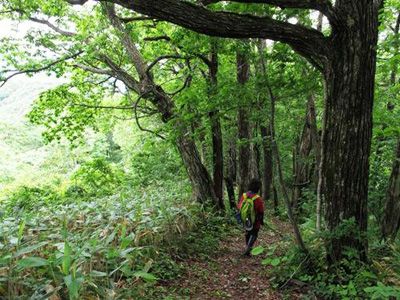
29 249
257 250
146 276
32 262
98 274
275 262
266 261
66 263
21 228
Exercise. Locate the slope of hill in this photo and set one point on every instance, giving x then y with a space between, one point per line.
22 151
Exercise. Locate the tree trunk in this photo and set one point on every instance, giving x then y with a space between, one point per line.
302 166
218 160
231 171
267 171
243 69
391 219
349 81
202 185
216 132
275 198
275 151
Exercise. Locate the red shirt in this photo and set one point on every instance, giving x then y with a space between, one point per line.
258 207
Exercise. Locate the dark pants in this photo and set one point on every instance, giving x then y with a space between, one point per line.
251 237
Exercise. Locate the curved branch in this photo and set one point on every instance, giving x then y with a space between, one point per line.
160 58
307 42
186 84
137 120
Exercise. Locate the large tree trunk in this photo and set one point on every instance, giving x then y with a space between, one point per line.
349 81
391 219
202 185
243 74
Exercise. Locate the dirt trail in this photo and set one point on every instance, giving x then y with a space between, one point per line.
227 274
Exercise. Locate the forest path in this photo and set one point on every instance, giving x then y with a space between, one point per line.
227 274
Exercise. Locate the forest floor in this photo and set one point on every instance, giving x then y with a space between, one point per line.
227 274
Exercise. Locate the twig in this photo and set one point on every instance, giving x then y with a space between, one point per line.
295 271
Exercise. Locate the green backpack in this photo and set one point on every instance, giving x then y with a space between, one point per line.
247 212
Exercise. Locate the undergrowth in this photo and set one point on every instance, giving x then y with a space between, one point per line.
112 247
288 268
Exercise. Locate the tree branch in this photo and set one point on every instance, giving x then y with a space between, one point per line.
77 2
126 40
134 19
157 38
102 106
160 58
138 123
186 84
307 42
52 26
121 74
37 70
324 6
94 70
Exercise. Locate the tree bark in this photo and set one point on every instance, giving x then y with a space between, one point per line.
202 184
243 75
265 129
349 81
302 166
231 171
216 132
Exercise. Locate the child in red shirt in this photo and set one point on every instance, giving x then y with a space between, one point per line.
251 235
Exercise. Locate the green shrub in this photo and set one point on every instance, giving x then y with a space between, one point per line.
97 177
26 199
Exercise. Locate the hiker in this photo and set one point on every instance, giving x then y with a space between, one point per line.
251 209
